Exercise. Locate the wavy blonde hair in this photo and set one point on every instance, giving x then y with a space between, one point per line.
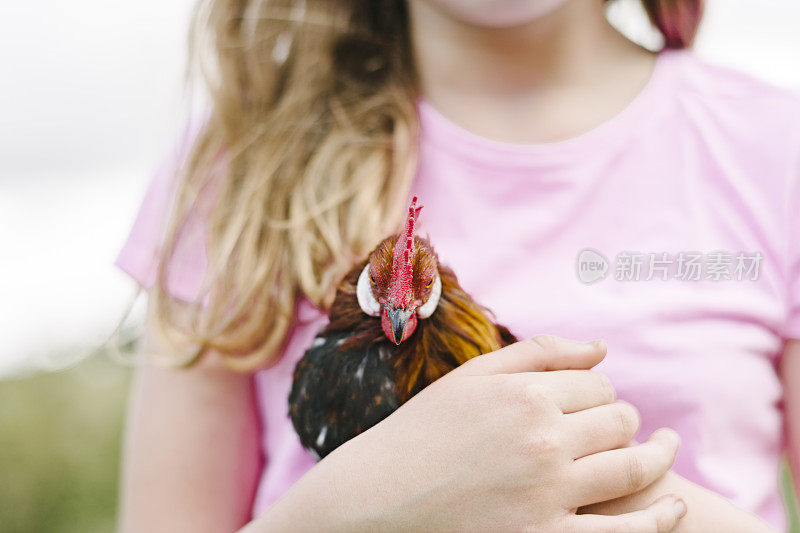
313 114
313 118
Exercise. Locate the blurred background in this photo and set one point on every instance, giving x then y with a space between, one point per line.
91 97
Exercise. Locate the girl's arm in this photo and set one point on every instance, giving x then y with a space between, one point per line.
491 446
191 456
790 375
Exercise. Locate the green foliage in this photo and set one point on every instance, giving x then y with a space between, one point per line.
60 437
790 498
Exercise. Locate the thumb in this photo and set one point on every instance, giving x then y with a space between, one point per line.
541 353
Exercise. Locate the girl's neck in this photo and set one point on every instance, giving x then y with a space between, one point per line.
550 79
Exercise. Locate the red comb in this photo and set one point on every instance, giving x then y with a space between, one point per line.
403 259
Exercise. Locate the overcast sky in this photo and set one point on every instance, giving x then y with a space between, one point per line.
90 97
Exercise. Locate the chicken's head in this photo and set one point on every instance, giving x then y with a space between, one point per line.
400 283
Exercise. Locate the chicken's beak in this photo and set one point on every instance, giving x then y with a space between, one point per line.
398 318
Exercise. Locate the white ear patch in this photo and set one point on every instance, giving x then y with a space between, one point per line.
425 310
366 300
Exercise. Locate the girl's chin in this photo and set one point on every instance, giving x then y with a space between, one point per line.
497 13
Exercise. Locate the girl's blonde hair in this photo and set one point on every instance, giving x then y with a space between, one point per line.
314 121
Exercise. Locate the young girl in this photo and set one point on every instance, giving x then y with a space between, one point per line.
532 131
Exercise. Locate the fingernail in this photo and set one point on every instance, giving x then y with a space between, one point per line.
670 434
675 437
598 343
679 509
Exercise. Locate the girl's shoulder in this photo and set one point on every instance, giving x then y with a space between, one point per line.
750 123
141 250
720 88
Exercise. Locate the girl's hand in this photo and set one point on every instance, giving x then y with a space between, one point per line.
501 443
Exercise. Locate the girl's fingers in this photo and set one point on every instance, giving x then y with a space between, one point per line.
571 390
621 472
538 354
661 516
602 428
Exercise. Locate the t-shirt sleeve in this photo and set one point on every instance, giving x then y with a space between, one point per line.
140 253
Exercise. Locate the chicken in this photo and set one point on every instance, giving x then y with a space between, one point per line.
399 322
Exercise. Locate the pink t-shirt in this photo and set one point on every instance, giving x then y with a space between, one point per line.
704 166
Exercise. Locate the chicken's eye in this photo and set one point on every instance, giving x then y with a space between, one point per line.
372 280
429 284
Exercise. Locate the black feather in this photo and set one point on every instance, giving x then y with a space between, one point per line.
338 393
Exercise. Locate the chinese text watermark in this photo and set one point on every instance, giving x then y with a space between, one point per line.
593 266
